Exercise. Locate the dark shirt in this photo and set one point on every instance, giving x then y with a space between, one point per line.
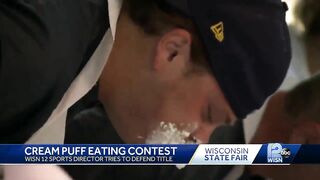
44 44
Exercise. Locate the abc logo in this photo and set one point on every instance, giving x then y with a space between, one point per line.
276 153
285 152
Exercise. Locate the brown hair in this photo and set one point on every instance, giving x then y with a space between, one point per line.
155 19
305 99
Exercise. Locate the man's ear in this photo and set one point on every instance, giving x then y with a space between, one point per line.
173 51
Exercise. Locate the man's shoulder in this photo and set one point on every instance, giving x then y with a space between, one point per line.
44 44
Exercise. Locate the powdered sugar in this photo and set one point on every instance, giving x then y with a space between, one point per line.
171 133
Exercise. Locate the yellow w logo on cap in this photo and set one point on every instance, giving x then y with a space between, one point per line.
218 31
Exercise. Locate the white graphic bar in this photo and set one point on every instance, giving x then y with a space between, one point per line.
221 154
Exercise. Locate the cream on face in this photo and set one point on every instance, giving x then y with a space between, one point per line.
172 133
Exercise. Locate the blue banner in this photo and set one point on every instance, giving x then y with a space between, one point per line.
96 154
204 154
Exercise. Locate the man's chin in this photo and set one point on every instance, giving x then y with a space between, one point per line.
171 133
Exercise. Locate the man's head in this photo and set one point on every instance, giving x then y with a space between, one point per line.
161 72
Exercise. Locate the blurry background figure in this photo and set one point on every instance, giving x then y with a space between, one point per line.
304 21
291 117
308 12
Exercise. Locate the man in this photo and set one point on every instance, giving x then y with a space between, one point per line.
184 62
159 61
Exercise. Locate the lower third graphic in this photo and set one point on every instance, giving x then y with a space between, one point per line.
276 153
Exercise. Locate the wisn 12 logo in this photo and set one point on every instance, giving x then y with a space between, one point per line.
277 154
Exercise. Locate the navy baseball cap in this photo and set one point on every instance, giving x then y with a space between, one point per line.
247 45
